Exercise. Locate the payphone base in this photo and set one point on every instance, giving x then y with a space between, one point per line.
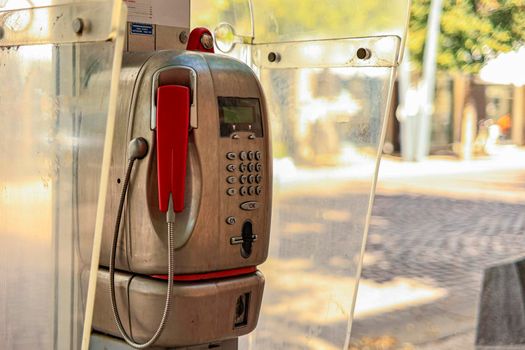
104 342
203 312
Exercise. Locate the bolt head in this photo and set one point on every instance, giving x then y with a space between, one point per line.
274 57
207 41
78 25
363 53
183 37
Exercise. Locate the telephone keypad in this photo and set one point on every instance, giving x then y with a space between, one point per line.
249 173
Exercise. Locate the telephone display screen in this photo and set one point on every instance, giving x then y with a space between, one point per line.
240 114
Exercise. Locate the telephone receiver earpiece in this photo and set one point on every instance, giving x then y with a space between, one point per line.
137 148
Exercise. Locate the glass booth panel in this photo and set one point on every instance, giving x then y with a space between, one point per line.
57 103
273 21
328 73
327 126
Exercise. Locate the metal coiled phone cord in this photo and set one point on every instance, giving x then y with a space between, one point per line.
138 149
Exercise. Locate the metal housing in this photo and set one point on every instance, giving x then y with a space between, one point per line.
205 241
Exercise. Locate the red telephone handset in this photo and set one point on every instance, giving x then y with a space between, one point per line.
173 115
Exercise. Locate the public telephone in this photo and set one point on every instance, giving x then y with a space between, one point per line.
194 207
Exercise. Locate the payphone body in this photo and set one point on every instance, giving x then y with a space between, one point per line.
217 206
223 232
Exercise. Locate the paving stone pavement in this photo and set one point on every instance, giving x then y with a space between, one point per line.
446 242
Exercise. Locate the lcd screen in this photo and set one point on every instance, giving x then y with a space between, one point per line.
238 114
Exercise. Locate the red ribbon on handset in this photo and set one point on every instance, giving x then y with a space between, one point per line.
173 117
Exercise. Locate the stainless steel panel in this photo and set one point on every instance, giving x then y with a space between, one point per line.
202 312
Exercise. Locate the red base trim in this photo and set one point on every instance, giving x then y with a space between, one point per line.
209 275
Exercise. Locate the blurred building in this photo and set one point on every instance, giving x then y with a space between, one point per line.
498 95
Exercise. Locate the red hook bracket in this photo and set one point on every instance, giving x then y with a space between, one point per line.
200 40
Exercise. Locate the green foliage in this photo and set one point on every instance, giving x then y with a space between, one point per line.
472 31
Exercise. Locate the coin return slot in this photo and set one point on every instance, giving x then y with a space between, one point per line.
241 311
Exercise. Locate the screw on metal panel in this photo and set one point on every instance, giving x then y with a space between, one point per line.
78 25
183 37
274 57
207 41
363 54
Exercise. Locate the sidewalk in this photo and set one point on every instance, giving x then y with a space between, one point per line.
440 222
458 178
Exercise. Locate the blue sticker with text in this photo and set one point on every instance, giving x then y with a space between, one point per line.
141 28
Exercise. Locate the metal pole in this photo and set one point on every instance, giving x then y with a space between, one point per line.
403 114
428 82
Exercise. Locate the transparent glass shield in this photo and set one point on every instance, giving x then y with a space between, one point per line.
327 126
328 71
59 61
279 21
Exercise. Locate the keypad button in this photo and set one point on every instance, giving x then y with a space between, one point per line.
243 155
251 179
258 179
258 190
231 168
243 191
243 179
251 155
251 167
250 205
230 220
231 179
231 156
243 167
258 166
251 190
231 191
258 155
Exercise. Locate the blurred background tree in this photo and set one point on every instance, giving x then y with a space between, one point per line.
472 31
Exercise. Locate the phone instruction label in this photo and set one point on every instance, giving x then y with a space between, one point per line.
173 13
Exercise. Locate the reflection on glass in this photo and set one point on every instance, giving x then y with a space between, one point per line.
326 126
327 107
289 20
54 104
